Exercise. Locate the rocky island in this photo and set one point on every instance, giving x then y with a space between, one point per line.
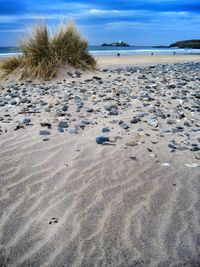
120 43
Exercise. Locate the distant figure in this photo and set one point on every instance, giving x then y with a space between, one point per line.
118 54
174 53
151 53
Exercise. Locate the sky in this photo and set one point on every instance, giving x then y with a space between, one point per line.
137 22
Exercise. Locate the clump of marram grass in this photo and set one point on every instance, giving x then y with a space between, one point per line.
10 64
71 47
43 56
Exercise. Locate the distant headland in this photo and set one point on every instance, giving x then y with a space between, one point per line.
120 43
187 44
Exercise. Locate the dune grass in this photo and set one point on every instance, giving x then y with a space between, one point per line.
44 55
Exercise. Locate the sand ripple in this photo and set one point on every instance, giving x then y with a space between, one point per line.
111 211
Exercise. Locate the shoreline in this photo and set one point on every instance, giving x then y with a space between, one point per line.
110 61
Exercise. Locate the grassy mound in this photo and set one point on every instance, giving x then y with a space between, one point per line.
43 56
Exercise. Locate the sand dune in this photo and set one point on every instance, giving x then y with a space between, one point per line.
71 202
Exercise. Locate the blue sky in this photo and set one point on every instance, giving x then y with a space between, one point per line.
138 22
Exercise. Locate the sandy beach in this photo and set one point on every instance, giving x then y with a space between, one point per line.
145 60
103 169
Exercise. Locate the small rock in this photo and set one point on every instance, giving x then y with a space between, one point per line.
102 139
65 108
113 111
63 124
124 125
105 130
135 120
132 143
44 132
26 120
89 110
73 130
152 122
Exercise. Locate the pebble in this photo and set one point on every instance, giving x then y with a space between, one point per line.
135 120
105 130
102 139
26 120
152 122
113 111
124 125
65 108
73 130
63 124
42 132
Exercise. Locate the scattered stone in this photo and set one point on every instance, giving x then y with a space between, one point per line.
135 120
133 158
65 108
105 130
132 143
73 130
152 122
63 124
113 111
123 125
44 132
102 139
89 110
26 120
46 124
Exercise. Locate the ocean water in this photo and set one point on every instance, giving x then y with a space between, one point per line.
112 51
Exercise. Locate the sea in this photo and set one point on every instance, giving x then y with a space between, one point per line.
113 51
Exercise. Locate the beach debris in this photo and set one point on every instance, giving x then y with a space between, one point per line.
165 164
19 126
192 165
152 155
102 139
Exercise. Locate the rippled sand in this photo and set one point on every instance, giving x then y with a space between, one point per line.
111 210
72 202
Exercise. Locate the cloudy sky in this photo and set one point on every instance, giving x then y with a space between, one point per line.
138 22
